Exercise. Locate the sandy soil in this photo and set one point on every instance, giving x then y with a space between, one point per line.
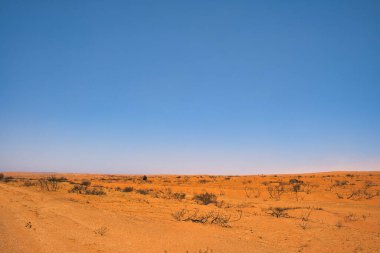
324 212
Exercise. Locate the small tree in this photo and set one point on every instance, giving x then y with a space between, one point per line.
145 178
1 176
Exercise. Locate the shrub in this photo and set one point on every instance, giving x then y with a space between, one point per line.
8 179
128 189
28 183
101 231
205 198
95 191
143 191
276 191
1 176
77 189
278 212
86 182
48 183
295 181
145 178
179 195
211 217
81 189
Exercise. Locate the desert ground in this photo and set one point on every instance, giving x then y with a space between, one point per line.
320 212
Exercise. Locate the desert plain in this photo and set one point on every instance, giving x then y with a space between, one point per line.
316 212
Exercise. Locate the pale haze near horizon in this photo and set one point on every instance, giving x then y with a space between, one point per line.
227 87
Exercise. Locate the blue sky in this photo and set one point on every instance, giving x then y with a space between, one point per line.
214 87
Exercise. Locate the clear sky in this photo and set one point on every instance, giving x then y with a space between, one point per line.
220 87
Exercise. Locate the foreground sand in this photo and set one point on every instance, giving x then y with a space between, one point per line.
327 212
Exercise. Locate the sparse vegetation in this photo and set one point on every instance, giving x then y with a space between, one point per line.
210 217
101 231
48 183
82 189
143 191
206 198
128 189
278 212
275 191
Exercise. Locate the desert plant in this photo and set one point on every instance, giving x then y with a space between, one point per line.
95 191
128 189
86 182
8 179
205 198
28 183
101 231
144 178
179 195
143 191
1 176
278 212
81 189
276 191
48 183
303 224
295 181
77 188
252 192
211 217
351 217
339 224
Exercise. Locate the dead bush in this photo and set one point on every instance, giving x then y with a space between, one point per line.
295 181
210 217
28 183
275 191
8 179
101 231
143 191
205 198
179 195
351 217
278 212
86 182
252 192
128 189
48 183
82 189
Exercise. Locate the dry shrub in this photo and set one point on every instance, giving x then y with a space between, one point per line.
82 189
303 224
28 183
278 212
275 191
101 231
351 217
252 192
48 183
210 217
179 195
143 191
205 198
1 176
86 182
128 189
167 193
